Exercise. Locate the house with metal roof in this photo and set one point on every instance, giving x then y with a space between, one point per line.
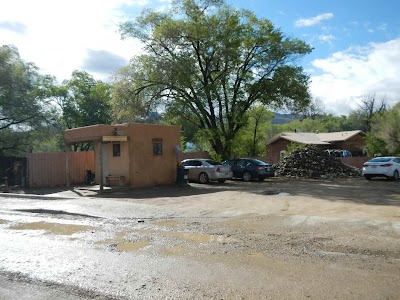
352 141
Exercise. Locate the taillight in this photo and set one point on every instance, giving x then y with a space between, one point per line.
218 169
259 168
387 165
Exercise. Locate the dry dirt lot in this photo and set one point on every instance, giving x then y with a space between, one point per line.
277 239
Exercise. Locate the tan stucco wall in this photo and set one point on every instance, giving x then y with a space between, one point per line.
115 165
147 169
88 133
137 163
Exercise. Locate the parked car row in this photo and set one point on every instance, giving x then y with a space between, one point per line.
205 170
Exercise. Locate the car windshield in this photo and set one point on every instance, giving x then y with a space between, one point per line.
380 159
213 162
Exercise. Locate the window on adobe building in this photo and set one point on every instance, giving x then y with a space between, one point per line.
157 146
116 150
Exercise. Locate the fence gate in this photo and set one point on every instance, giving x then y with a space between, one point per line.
49 169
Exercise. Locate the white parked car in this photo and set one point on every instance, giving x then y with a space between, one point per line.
388 167
205 170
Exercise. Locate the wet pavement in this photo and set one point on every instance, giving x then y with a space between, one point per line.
279 239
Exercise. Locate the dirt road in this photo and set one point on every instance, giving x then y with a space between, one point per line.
277 239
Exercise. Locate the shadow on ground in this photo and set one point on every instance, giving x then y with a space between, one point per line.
357 190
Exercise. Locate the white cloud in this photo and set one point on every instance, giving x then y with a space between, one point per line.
347 75
313 21
56 35
326 38
382 27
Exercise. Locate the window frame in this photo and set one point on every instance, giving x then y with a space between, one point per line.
116 149
157 146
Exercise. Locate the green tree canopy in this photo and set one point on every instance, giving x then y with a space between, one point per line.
320 123
384 137
250 141
369 108
211 63
85 101
82 101
391 129
23 101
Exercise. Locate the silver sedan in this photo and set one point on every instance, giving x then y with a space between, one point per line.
205 170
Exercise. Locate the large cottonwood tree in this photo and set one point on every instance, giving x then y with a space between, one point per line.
83 101
23 101
210 63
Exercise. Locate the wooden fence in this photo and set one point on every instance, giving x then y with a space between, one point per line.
355 161
49 169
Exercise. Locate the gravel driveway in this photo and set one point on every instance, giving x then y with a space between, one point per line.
277 239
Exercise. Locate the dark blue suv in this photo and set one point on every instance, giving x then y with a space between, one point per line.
249 168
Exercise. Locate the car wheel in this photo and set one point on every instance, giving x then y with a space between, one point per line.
203 178
246 176
367 177
221 180
395 175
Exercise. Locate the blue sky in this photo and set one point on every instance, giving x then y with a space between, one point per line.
329 25
356 43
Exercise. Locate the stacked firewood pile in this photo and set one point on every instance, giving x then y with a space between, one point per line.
311 162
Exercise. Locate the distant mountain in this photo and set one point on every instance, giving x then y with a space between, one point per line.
282 118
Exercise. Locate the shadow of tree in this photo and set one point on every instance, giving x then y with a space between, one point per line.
356 190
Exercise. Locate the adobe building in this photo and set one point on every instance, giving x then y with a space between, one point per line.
134 155
352 141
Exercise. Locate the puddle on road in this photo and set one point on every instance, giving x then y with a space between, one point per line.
275 193
283 194
54 228
121 244
133 246
54 212
192 237
180 250
120 235
167 223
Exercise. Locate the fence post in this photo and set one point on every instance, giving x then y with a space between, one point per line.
100 164
6 187
67 154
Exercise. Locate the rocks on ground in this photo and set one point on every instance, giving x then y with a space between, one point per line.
312 162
